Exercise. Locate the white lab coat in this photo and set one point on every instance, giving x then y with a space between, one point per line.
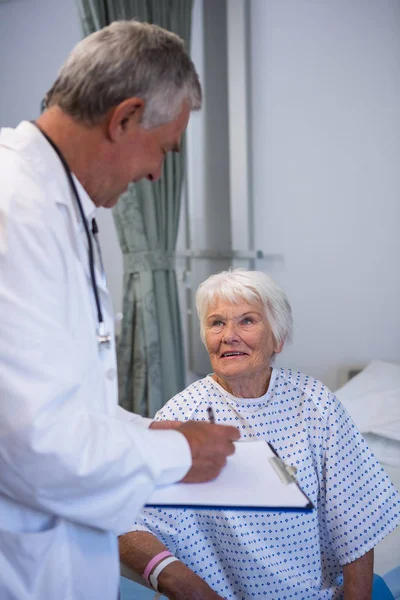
74 469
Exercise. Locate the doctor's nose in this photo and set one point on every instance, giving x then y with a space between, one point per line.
155 173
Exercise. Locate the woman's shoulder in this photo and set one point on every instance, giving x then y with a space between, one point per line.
310 389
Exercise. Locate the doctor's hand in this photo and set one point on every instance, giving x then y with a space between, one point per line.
165 425
210 446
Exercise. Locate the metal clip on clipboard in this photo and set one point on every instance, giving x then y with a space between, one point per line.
287 473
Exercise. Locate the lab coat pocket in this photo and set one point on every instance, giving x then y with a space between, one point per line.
33 565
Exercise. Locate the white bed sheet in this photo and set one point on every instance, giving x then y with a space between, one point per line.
372 398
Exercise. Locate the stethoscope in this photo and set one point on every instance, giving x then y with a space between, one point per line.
103 338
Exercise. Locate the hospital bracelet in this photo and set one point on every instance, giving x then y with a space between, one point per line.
160 567
154 561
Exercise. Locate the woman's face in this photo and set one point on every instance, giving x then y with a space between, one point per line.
239 341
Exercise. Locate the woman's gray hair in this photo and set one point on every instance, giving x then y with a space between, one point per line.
124 60
237 285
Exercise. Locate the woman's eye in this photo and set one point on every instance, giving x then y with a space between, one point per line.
216 323
247 321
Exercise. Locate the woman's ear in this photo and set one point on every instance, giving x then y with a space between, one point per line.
125 118
278 347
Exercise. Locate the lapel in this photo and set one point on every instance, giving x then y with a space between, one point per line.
89 210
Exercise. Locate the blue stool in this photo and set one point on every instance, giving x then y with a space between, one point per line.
380 590
130 590
392 580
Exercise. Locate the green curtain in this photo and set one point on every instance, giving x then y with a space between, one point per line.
150 350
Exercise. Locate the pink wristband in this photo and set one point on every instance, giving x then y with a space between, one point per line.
152 563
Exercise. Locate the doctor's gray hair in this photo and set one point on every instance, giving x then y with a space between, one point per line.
124 60
237 285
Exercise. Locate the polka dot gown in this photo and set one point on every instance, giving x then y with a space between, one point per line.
283 555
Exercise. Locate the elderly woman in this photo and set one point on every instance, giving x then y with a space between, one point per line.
245 320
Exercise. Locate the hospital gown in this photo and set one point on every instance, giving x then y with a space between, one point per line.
283 555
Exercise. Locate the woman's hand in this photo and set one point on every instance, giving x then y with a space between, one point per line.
178 582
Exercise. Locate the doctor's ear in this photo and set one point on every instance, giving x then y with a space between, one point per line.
124 118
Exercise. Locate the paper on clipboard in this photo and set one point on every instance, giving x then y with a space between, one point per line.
255 478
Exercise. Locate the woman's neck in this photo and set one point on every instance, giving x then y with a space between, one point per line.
251 387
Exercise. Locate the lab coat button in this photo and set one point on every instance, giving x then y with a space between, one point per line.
111 374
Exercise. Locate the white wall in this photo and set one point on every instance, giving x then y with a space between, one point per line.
35 38
326 173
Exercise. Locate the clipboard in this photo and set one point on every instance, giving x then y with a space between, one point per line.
255 478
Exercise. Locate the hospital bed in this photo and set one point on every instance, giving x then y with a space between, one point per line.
372 397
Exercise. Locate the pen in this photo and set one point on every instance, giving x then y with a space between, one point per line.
211 417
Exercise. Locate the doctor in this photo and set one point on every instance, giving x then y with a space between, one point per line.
74 467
